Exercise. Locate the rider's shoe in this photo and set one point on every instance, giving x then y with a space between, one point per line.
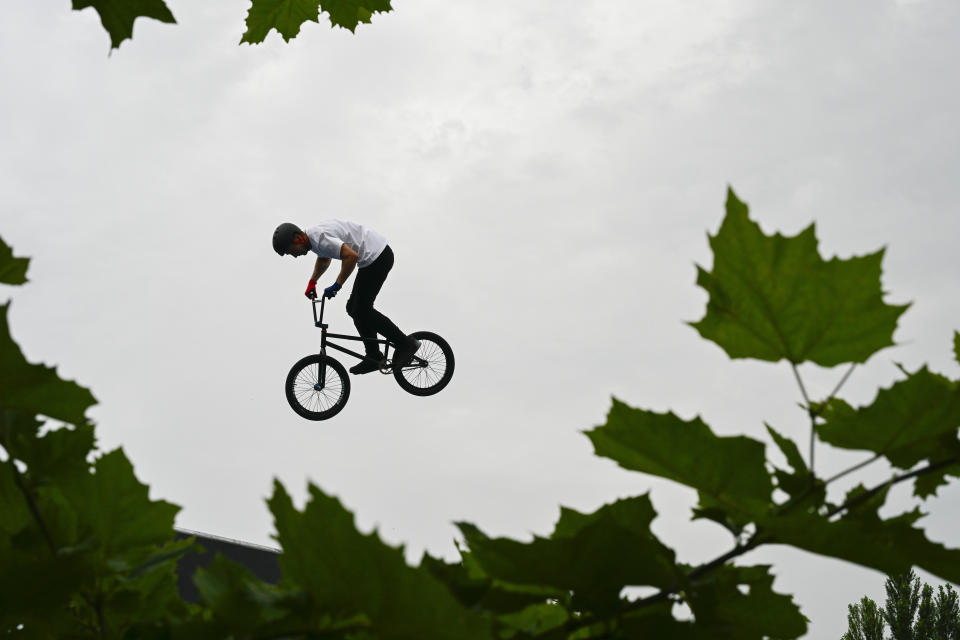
368 364
403 355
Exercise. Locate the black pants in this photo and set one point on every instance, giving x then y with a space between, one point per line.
369 321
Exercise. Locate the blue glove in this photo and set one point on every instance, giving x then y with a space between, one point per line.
331 291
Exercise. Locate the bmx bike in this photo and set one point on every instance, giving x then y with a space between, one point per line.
318 386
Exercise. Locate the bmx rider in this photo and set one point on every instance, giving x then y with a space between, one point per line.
355 246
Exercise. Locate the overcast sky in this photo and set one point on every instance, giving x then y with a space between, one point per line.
546 172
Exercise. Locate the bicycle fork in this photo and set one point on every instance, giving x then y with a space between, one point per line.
322 369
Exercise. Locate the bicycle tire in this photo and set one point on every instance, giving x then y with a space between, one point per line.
315 403
431 368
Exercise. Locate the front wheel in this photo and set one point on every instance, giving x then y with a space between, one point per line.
317 387
431 367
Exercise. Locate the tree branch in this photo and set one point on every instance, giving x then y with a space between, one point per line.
664 594
866 495
755 541
31 503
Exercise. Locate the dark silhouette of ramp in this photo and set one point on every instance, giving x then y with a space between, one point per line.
260 561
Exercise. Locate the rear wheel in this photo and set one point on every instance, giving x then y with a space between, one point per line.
317 387
431 367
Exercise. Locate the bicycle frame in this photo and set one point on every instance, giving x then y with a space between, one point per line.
325 335
426 371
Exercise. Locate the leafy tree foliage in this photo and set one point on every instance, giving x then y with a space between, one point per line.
947 625
910 611
864 621
83 550
926 614
903 600
85 553
285 16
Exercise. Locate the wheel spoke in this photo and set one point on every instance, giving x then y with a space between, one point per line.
303 394
431 368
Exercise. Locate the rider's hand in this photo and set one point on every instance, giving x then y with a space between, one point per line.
331 291
311 291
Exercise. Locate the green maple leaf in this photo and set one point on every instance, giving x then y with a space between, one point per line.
915 419
927 484
142 596
798 482
287 16
35 388
243 606
728 472
59 455
657 621
12 270
729 603
861 536
721 607
789 449
584 554
115 511
69 526
906 423
346 573
13 507
36 586
774 297
45 581
535 620
32 388
117 16
471 585
235 596
956 345
106 517
108 539
349 13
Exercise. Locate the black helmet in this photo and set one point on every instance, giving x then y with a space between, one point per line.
283 237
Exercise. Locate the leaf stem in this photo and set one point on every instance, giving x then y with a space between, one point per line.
803 389
813 418
859 465
843 381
